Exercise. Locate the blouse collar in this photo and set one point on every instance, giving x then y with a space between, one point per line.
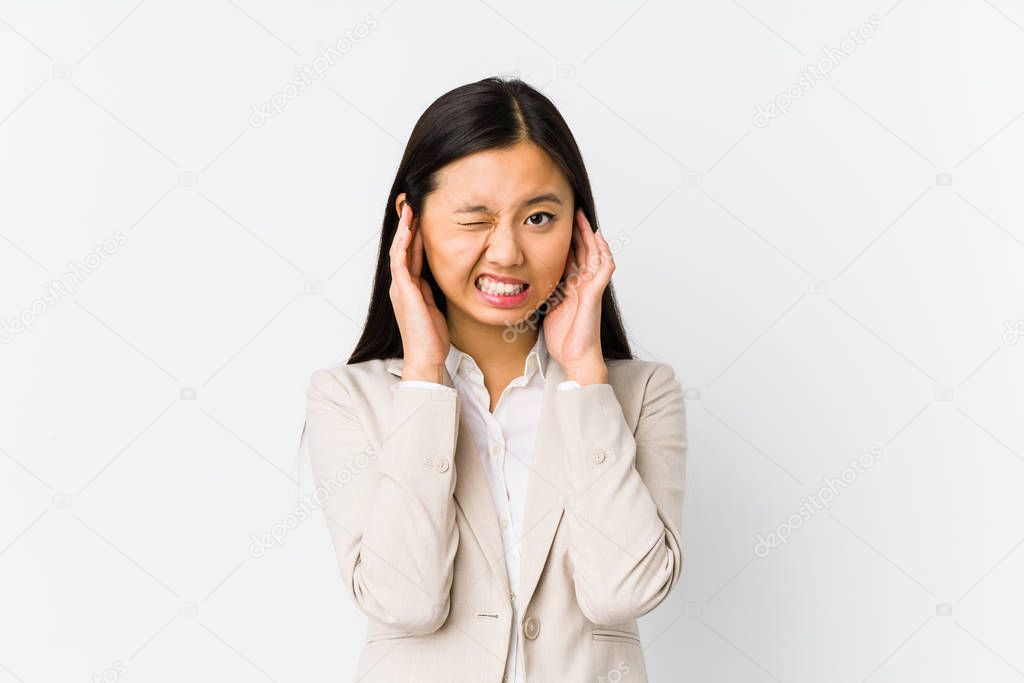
537 359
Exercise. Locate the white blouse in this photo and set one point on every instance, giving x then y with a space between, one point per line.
504 441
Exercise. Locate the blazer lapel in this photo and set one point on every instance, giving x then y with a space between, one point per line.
546 491
545 497
473 493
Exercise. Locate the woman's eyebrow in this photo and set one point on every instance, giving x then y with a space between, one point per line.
539 199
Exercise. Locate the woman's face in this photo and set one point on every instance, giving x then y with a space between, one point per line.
497 231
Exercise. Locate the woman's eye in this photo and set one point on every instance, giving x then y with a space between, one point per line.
529 221
550 217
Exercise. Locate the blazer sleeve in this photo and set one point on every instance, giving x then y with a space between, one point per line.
625 517
391 515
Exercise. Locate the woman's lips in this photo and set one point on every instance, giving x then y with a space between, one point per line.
502 278
504 300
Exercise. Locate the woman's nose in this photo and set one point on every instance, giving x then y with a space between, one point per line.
502 247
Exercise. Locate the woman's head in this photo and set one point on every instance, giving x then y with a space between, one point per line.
496 216
493 176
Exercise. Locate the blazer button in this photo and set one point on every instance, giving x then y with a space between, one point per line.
442 465
531 628
599 457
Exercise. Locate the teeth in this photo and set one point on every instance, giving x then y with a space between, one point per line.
495 288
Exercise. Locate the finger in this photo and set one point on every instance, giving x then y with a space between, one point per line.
607 260
399 230
579 249
399 250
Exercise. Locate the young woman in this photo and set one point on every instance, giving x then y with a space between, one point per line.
515 483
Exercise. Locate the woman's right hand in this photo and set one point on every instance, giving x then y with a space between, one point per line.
424 330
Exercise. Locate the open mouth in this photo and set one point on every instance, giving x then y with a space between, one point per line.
489 285
504 292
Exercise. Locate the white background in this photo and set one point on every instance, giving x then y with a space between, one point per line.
818 283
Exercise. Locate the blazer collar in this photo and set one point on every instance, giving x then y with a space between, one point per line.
538 357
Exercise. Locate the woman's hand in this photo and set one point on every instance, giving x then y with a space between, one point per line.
424 330
572 330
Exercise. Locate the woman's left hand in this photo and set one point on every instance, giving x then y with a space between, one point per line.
572 329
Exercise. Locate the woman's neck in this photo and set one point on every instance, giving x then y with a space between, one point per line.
499 352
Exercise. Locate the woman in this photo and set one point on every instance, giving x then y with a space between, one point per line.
517 477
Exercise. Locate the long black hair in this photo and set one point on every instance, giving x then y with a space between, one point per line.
492 113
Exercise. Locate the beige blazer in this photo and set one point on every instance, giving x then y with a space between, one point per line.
417 538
